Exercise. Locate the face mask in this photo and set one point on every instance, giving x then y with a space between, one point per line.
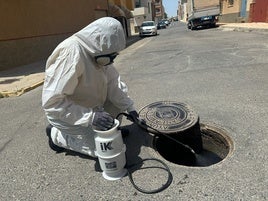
106 59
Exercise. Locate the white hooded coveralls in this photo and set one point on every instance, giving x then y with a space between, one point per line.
75 85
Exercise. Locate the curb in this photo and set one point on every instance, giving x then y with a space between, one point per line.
250 29
6 94
244 29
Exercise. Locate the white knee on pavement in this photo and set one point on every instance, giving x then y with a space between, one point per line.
84 144
58 138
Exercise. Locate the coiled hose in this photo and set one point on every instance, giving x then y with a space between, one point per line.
142 124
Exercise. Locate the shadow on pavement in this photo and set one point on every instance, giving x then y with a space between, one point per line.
33 68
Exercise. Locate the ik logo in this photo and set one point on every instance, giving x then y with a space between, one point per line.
105 146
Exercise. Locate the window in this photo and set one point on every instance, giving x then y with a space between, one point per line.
157 2
137 3
230 2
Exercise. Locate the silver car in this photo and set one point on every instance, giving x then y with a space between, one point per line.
148 28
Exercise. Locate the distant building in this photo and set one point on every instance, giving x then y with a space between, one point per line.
159 10
182 10
146 10
233 11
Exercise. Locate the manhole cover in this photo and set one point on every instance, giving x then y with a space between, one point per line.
168 116
178 120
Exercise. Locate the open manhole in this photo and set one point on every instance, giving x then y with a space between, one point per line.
182 132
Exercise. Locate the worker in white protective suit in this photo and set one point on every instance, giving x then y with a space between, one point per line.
82 88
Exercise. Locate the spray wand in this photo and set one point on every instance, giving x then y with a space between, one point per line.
141 123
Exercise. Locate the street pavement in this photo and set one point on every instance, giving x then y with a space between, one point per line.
16 81
227 90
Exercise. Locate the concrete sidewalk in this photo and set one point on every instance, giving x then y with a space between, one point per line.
16 81
246 27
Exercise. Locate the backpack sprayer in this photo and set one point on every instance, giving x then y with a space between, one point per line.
110 150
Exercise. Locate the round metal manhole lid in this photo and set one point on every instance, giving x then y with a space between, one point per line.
168 116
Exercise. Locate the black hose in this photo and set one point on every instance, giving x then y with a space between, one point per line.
142 124
163 187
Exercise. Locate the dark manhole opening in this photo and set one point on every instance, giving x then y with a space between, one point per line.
179 121
217 145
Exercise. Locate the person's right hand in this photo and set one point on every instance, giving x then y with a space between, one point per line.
133 116
102 121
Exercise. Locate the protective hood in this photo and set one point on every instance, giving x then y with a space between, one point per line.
103 36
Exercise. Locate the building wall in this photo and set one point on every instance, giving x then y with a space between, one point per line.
127 3
259 11
143 12
182 12
32 29
230 12
249 2
159 10
126 6
141 15
199 4
130 4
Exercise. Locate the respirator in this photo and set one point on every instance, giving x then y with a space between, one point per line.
106 59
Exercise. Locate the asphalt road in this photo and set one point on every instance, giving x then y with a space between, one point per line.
221 74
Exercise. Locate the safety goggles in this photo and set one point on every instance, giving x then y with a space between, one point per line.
106 59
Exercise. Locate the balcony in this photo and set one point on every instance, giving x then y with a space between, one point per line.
139 11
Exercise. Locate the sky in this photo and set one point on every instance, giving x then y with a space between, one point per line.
171 7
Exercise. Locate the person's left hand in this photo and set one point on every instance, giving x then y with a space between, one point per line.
102 120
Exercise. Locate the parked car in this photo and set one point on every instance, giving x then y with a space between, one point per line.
148 28
161 25
167 22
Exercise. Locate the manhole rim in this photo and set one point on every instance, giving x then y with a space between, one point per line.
203 126
223 132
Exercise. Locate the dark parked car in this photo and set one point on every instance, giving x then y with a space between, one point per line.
161 25
167 22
